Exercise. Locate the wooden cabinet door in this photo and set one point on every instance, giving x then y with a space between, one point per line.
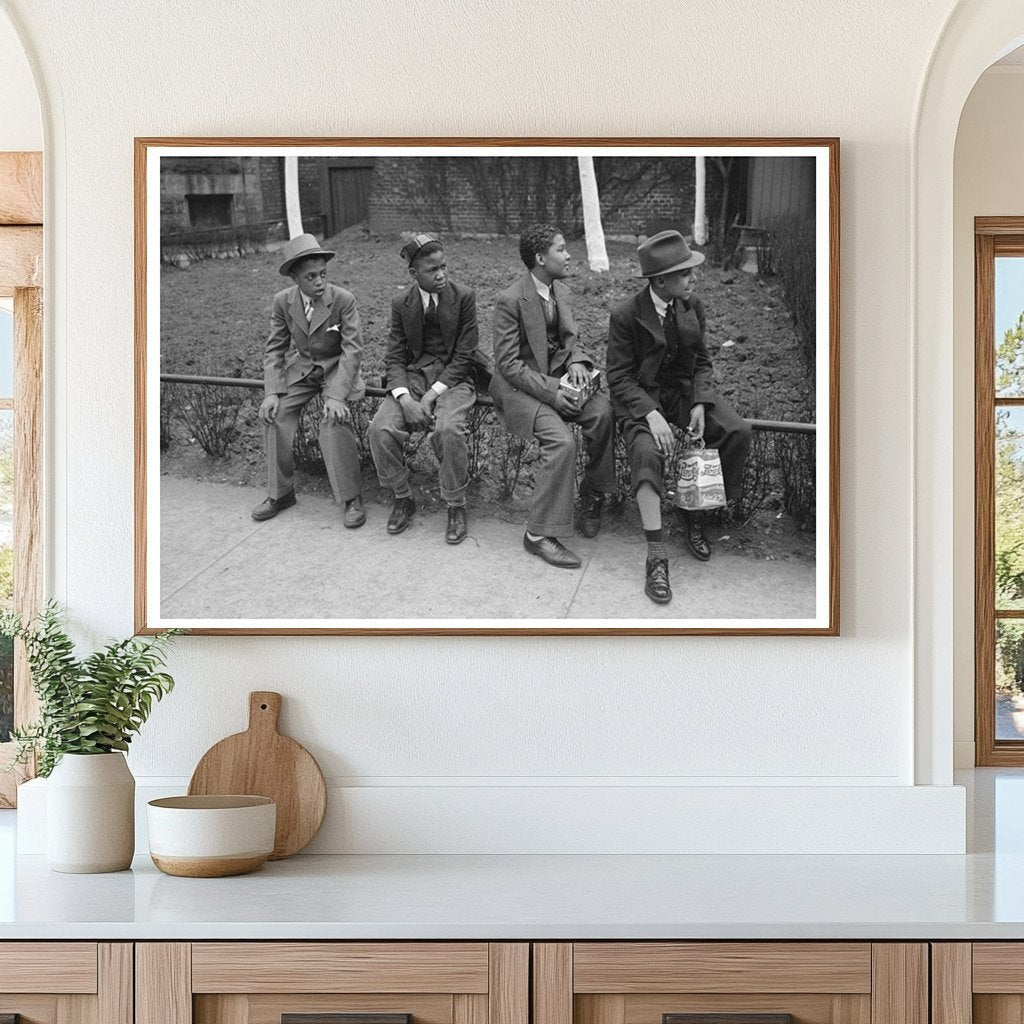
66 982
332 983
978 983
730 983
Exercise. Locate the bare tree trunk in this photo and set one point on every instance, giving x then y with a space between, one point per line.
700 217
597 255
292 207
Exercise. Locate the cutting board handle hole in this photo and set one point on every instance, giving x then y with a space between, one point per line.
263 707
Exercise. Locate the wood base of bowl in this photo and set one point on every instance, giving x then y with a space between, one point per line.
209 867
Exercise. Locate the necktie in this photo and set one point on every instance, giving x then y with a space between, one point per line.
549 308
430 313
309 312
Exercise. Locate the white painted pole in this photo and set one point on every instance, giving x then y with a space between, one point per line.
597 255
700 220
291 196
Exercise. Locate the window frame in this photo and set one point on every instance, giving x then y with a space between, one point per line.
993 237
21 278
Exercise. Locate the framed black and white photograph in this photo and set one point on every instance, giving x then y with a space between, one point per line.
565 386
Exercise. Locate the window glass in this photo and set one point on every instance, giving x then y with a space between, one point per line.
6 353
6 568
1009 679
1009 534
1009 324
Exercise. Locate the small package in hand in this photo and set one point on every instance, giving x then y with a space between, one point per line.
579 395
701 485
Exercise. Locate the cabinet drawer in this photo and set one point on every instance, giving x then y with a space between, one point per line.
635 967
332 982
730 983
58 967
340 967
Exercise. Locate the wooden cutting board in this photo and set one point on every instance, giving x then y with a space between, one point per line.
262 762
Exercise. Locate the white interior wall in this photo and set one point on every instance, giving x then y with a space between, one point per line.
440 715
21 126
987 182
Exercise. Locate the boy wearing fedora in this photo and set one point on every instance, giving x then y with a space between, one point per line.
429 364
536 343
659 374
315 347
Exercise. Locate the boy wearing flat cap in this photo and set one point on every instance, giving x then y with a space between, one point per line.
315 347
659 374
535 344
429 363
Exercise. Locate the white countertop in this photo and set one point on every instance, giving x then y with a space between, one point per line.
976 896
516 897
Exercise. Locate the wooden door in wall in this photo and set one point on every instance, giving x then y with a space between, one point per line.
349 196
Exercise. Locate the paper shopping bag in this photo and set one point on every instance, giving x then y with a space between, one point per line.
701 485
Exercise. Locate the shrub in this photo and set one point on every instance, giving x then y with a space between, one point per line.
794 257
210 414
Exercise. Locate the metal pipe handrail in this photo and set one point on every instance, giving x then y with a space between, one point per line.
774 426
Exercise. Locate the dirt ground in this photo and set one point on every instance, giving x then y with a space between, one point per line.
215 316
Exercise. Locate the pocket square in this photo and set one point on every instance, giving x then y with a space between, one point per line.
336 327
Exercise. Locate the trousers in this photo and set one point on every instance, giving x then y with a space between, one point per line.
337 443
389 432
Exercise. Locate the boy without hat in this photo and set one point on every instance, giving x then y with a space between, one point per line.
659 373
535 343
315 347
429 362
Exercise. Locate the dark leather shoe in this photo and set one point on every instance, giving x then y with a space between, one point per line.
588 522
553 552
656 587
695 539
401 514
457 528
271 506
355 514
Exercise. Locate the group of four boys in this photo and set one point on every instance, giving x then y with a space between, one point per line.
658 373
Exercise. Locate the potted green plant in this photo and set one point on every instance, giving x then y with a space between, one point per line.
89 710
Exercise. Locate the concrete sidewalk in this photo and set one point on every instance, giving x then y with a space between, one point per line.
217 563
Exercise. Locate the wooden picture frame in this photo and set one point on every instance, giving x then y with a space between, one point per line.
815 592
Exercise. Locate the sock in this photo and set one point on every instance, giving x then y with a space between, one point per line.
406 494
533 536
656 546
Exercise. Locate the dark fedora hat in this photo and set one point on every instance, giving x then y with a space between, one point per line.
302 247
415 243
666 252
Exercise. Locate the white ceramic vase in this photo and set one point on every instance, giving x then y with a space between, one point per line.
90 814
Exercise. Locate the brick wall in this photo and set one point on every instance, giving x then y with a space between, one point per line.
501 195
272 184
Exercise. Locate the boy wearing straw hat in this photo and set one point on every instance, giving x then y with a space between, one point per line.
315 347
429 359
659 374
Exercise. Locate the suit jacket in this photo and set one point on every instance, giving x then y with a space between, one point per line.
332 340
521 373
456 314
637 348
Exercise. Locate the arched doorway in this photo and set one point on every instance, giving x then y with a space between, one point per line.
977 34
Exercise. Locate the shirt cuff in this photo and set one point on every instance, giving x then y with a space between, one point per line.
398 392
439 388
